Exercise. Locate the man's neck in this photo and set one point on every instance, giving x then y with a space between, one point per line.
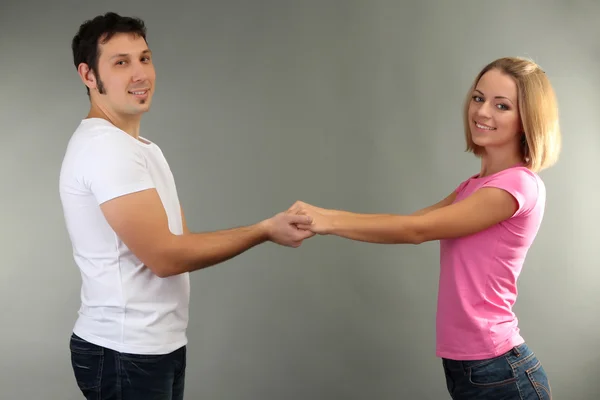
129 125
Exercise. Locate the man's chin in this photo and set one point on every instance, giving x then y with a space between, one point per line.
140 109
141 104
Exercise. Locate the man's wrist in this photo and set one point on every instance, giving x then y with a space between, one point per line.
263 230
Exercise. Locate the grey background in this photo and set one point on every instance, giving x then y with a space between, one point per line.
346 104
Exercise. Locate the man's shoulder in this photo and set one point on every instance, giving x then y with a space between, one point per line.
94 138
96 131
93 144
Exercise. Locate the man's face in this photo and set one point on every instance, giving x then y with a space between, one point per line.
125 76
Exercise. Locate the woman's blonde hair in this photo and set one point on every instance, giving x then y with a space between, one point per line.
538 112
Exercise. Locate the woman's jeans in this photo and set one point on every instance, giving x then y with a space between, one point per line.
517 374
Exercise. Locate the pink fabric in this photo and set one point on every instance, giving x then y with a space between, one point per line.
478 273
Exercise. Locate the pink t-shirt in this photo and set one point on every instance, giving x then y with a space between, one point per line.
478 273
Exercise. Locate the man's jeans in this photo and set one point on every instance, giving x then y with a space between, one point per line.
517 374
104 374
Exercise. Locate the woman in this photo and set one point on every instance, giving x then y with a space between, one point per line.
485 228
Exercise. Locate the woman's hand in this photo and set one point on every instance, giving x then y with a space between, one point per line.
322 219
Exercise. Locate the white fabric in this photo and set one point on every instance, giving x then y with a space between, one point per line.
124 305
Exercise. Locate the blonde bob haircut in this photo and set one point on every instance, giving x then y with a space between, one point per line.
538 111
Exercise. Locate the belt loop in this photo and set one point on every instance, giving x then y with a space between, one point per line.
515 351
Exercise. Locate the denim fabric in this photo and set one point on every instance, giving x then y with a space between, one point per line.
103 374
515 375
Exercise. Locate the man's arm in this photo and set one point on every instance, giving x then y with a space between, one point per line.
186 230
140 221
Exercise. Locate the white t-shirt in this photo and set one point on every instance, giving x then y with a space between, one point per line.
124 305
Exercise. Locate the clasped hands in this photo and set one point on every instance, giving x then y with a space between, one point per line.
301 221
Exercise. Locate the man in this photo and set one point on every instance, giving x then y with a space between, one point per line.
128 231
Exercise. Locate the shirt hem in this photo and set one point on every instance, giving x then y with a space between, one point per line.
124 190
498 351
131 348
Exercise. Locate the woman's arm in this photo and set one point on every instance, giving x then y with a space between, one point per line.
479 211
443 203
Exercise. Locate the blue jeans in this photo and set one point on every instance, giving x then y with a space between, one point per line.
104 374
517 374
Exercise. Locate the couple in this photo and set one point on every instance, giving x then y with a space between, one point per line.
135 251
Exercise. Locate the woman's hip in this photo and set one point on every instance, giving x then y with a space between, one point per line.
517 374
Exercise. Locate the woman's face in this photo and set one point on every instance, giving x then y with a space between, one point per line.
494 119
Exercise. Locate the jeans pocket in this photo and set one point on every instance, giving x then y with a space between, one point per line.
497 372
147 376
539 380
87 361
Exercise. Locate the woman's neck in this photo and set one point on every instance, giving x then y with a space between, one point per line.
492 163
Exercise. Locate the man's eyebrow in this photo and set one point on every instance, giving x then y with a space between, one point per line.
147 51
497 97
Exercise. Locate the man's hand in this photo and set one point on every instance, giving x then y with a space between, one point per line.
283 229
322 219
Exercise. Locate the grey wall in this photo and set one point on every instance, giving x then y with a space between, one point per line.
345 104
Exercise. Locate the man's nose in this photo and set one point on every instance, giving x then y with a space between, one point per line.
140 72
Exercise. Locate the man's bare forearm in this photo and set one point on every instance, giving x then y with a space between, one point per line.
193 251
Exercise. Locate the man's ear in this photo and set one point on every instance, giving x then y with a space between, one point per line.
87 76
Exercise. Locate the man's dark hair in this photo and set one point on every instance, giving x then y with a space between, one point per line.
100 30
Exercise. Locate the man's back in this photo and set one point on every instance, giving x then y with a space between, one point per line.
124 305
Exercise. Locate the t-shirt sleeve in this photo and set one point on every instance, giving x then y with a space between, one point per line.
113 167
461 186
521 184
